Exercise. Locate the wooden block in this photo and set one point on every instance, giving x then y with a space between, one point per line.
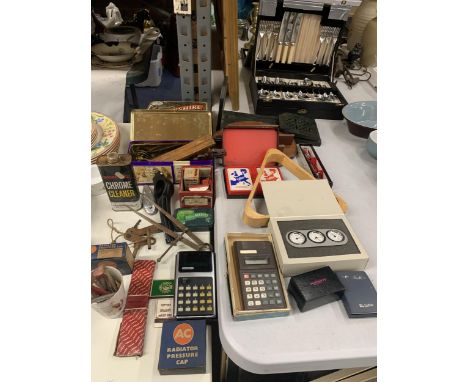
186 151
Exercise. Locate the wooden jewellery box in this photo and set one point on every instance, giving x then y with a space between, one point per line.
294 59
245 146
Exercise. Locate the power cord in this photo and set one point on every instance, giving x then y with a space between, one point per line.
347 66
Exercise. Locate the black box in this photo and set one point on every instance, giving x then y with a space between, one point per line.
295 73
360 296
315 288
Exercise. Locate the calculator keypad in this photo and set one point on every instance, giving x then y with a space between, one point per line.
261 290
195 296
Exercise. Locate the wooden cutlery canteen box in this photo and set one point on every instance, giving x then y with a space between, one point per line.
294 58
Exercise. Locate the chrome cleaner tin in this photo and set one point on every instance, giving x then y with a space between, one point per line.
119 181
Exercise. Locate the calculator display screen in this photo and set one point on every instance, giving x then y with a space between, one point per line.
250 261
195 261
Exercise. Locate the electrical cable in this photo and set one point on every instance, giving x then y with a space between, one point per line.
163 191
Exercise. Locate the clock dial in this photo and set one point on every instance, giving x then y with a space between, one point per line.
335 235
316 236
296 237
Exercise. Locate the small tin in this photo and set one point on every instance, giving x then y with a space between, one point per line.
119 181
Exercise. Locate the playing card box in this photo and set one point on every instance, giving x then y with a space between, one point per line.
239 180
245 148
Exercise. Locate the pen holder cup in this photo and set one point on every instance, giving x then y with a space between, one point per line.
113 306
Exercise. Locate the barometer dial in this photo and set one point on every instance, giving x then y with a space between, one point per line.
316 236
296 237
335 235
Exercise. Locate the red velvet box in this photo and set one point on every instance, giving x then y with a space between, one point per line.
245 149
197 198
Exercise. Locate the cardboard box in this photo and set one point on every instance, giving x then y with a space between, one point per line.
162 288
183 347
117 255
204 196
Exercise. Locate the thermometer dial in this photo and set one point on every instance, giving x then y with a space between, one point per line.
296 237
335 235
316 236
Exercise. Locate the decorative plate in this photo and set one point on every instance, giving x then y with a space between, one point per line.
110 135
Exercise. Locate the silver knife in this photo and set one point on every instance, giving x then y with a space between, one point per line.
283 28
295 33
287 37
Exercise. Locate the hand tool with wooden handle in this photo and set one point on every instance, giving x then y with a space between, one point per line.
188 150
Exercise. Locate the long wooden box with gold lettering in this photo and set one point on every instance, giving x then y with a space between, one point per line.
167 126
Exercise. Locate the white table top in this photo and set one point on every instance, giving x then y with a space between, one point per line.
106 367
323 338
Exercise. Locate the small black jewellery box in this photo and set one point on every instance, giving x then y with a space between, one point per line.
315 288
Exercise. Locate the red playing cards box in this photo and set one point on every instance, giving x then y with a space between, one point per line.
245 149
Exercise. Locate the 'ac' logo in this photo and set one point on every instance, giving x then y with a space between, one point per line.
183 334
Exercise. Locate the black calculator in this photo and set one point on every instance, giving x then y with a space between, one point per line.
259 278
195 295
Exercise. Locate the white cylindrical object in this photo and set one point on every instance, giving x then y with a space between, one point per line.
113 306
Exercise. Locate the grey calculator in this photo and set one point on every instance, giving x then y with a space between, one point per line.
195 295
259 278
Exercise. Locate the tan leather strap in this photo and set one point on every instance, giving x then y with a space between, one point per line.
254 219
